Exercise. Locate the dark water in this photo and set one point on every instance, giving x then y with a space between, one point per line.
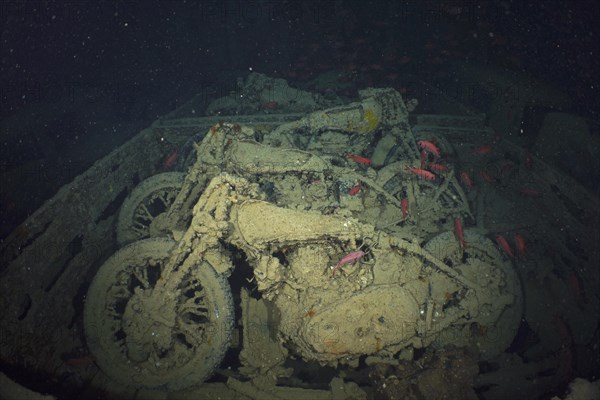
78 80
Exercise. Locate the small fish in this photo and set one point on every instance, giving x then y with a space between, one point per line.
429 147
171 159
80 362
359 159
458 232
466 179
435 167
404 206
422 173
487 177
347 259
505 246
565 367
483 150
520 245
355 189
564 331
530 192
269 105
507 167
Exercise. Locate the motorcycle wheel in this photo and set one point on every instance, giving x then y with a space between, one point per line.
494 329
145 203
138 341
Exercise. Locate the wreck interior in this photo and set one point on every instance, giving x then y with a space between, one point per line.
397 205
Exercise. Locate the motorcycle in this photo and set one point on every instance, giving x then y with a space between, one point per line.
160 312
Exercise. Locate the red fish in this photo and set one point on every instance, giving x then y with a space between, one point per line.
404 206
422 173
270 105
347 259
507 167
171 159
429 147
505 246
355 189
359 159
423 159
565 366
487 177
80 362
466 179
458 232
480 151
564 331
520 245
530 192
435 167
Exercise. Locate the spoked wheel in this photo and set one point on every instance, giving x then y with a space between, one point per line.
144 336
141 213
493 330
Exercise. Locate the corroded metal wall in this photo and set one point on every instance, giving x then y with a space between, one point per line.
49 260
46 260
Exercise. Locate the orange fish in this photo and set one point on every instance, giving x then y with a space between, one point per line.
565 366
435 167
80 362
480 151
564 331
423 159
355 189
520 245
466 179
429 147
269 105
487 177
458 232
507 167
422 173
404 205
505 246
171 159
359 159
530 192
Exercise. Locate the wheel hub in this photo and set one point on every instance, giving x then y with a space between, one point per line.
146 325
